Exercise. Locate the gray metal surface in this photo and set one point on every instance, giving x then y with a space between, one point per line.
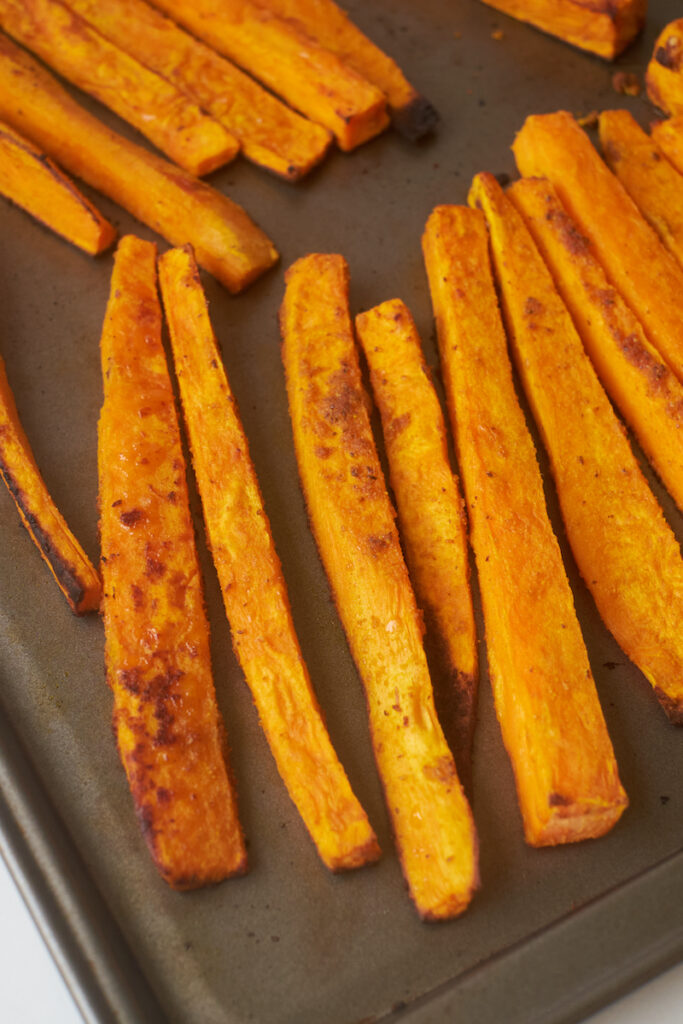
552 932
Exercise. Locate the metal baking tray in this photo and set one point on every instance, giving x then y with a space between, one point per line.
553 933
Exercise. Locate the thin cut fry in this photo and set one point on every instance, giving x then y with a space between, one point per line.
251 580
329 25
353 523
33 182
652 182
151 104
623 546
270 133
602 28
648 394
665 71
649 278
551 720
309 77
167 725
68 563
169 200
430 507
668 135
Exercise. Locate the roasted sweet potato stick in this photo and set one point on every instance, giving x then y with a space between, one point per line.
430 507
169 200
652 182
270 133
68 563
251 580
309 77
33 182
549 713
624 548
166 721
668 135
353 523
648 394
329 25
664 76
146 100
605 28
553 146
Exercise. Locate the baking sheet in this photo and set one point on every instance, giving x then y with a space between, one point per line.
289 942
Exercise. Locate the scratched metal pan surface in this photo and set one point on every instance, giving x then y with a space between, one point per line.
553 933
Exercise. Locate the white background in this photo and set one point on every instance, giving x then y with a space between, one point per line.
32 991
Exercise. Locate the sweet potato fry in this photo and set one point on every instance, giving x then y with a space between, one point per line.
169 200
552 724
270 133
652 182
668 135
33 182
649 278
664 78
68 563
166 721
251 580
623 546
329 25
353 523
309 77
605 28
430 508
151 104
648 394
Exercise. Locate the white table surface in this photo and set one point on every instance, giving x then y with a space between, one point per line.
32 990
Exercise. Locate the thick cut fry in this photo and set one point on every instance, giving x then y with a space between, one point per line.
251 580
648 394
151 104
169 732
270 133
623 546
309 77
652 182
33 182
551 720
181 208
329 25
668 135
664 76
353 523
605 27
430 507
68 563
553 146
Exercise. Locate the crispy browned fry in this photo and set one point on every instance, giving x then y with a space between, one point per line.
270 133
154 106
665 71
649 278
308 76
652 182
68 563
169 732
623 545
551 720
181 208
668 135
33 182
648 394
430 509
605 28
353 523
251 580
328 24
